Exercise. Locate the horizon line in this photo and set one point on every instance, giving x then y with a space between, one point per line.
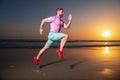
39 40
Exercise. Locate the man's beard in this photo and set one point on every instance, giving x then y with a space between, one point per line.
61 15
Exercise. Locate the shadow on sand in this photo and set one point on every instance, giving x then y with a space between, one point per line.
72 66
51 63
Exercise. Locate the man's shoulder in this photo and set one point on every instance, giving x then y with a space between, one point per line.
52 16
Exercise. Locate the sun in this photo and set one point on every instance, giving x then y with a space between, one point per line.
106 34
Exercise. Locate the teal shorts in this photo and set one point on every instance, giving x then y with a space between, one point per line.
53 37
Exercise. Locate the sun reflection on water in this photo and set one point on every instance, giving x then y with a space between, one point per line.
107 72
106 50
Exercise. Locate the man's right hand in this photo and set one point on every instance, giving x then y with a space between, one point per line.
70 17
41 31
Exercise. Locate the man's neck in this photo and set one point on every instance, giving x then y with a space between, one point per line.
58 16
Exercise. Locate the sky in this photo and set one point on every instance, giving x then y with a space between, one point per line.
20 19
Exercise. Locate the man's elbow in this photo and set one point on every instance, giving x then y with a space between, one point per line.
66 27
43 20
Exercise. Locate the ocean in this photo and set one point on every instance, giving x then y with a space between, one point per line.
70 43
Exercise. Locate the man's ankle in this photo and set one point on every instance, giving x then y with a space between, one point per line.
60 50
37 57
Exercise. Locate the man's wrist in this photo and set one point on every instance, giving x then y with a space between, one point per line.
40 27
70 20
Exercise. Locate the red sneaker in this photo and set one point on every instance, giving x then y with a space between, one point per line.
36 60
60 53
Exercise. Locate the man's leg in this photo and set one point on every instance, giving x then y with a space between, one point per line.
63 41
42 51
47 45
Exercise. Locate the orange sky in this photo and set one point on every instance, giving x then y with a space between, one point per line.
90 19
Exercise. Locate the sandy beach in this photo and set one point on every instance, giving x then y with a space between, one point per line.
89 31
94 63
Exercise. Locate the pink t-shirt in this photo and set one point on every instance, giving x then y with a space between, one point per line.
55 23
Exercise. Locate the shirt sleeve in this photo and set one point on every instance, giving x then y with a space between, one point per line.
50 19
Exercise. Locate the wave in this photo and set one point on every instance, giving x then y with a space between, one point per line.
18 40
70 44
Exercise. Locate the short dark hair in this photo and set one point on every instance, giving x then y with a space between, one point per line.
58 9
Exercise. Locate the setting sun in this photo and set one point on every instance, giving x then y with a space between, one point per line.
106 34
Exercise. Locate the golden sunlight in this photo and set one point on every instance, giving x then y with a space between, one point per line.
106 50
106 34
107 72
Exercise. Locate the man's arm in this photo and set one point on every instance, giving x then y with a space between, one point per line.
42 24
66 26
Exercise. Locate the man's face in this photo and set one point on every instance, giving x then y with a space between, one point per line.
61 13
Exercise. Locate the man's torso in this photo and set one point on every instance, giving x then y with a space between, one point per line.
55 23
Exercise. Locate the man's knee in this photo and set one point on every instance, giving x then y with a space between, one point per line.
66 36
46 47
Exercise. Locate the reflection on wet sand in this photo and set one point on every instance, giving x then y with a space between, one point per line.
107 72
106 50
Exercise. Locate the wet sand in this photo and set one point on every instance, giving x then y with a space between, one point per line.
95 63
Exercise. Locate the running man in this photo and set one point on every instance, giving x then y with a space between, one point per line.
56 23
